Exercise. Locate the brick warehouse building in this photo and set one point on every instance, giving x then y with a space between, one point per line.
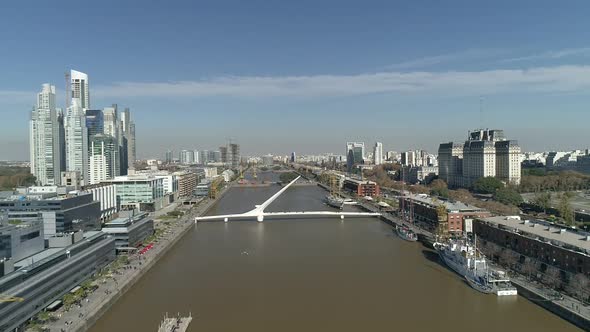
361 188
425 212
548 244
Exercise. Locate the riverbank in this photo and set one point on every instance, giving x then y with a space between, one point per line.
111 288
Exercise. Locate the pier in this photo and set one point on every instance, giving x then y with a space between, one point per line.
175 324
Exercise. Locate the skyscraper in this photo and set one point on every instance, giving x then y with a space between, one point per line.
169 156
293 157
355 154
129 132
378 153
45 144
79 86
104 158
94 122
234 151
76 140
224 154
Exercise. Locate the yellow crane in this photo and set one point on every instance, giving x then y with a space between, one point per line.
10 298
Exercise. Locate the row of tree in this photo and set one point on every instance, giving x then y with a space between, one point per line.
554 181
12 177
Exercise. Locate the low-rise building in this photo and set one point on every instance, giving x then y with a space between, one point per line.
60 214
20 239
46 276
431 213
361 188
544 242
130 232
105 194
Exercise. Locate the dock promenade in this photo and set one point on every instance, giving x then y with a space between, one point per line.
80 317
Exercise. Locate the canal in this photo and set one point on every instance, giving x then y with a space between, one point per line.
311 275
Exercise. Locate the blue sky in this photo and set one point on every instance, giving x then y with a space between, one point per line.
306 76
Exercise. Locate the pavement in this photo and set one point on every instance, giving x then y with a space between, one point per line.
109 286
573 305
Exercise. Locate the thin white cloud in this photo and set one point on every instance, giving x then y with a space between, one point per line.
541 79
584 51
11 96
445 58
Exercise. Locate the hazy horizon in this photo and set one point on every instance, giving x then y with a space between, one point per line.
307 76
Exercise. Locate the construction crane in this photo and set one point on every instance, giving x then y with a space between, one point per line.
10 298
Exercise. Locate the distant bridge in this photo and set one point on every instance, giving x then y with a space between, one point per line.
259 214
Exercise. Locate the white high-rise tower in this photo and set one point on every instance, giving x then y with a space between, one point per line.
45 143
80 88
76 137
378 153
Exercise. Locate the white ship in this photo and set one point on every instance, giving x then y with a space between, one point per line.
339 202
462 257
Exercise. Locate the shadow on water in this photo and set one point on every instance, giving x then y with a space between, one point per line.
432 256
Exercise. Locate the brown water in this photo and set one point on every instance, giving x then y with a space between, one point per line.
311 275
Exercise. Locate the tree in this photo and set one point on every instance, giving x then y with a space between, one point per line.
487 185
509 257
69 300
439 187
552 277
43 317
565 208
529 267
580 286
508 196
288 177
542 200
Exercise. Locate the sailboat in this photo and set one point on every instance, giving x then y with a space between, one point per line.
403 231
334 199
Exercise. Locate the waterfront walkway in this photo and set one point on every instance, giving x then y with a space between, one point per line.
80 317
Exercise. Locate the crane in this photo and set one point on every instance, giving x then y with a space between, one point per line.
10 298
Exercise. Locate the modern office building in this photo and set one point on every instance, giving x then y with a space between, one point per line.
46 139
46 276
139 192
105 194
355 154
293 157
79 88
94 122
204 157
60 214
130 232
76 140
20 239
486 153
378 153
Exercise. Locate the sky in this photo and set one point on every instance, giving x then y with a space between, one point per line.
306 76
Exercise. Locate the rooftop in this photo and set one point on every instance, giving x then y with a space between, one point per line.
450 205
543 231
359 181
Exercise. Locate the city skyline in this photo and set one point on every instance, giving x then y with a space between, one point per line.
266 70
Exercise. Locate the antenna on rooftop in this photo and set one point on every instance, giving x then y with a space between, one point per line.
481 112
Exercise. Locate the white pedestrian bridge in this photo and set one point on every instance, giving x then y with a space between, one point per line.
259 214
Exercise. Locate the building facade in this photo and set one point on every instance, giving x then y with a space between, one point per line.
46 139
361 188
105 194
378 153
141 192
486 153
76 140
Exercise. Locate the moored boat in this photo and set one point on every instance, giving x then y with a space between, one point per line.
406 233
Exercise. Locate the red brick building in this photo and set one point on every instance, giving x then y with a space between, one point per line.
423 209
361 188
